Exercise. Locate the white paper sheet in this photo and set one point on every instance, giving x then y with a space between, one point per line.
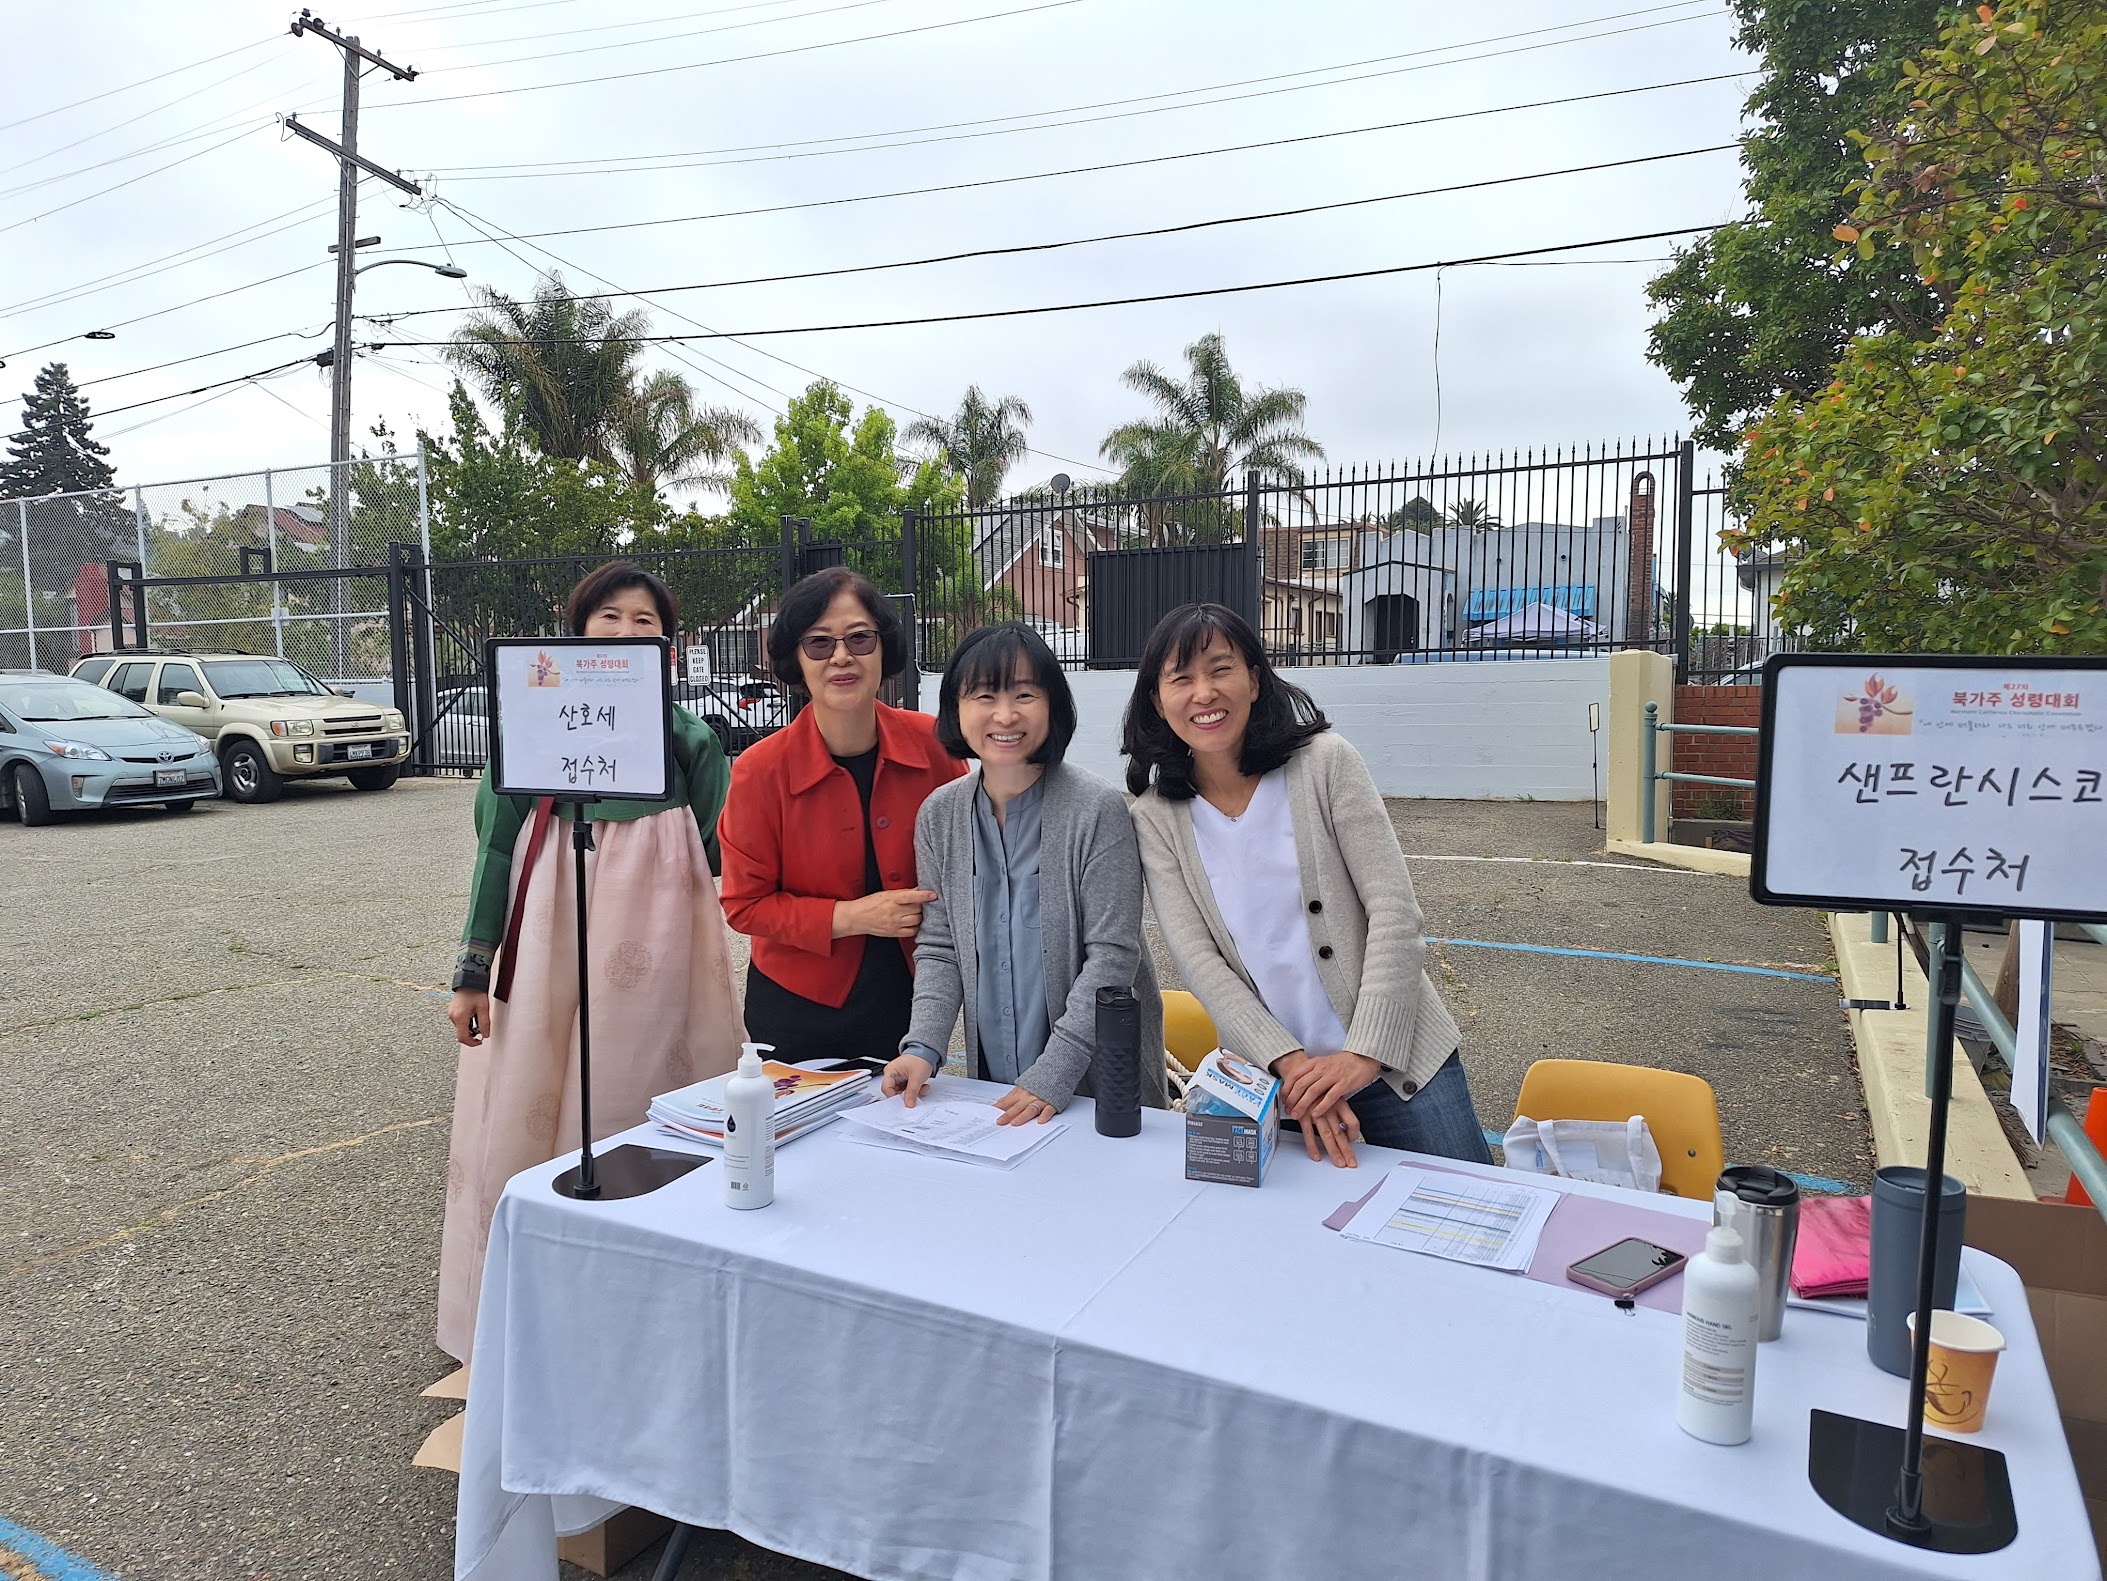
967 1132
1489 1223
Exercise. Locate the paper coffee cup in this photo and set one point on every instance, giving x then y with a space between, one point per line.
1963 1359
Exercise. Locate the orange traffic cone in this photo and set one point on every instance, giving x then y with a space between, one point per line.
2096 1128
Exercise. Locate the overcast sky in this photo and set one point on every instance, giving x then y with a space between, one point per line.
1529 356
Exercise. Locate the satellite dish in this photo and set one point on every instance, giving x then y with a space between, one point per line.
1060 482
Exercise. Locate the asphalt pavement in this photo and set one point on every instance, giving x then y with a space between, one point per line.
225 1075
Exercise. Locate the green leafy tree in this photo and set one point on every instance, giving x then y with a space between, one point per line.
1208 432
564 367
980 442
1765 307
1946 490
56 452
1418 514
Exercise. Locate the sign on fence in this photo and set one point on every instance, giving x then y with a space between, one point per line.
581 718
1933 784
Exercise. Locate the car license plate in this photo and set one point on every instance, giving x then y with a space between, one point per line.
169 779
365 751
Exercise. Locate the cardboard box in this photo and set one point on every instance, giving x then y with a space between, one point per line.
1232 1121
614 1542
2060 1253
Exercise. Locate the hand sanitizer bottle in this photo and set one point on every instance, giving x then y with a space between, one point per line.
1721 1315
749 1132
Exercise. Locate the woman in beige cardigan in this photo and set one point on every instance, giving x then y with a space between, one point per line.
1283 896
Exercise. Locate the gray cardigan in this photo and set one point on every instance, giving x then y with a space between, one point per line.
1089 922
1365 926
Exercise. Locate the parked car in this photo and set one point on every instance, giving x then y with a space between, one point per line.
66 746
267 719
741 713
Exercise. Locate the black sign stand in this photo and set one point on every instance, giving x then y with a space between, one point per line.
1943 1495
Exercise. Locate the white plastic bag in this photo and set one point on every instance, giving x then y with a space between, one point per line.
1608 1152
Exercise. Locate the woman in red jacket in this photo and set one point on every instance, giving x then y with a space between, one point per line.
818 832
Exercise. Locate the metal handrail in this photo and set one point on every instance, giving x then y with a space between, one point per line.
1650 775
2063 1128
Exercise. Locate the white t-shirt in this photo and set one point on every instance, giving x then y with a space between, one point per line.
1257 884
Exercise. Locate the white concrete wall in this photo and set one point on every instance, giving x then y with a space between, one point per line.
1461 730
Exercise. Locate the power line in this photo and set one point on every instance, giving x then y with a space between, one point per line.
763 351
663 38
1126 164
212 128
264 373
91 137
1121 301
128 181
767 54
609 27
173 71
214 296
177 362
908 137
1110 236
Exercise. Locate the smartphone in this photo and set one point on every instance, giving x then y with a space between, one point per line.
1626 1268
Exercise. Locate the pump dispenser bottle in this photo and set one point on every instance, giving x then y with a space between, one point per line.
749 1132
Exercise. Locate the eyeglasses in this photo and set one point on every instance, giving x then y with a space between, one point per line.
819 647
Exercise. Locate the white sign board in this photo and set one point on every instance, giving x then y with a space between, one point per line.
1929 784
2037 954
581 718
698 665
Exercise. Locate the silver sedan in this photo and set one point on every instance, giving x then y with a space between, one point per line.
67 746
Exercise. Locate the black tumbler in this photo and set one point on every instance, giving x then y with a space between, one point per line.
1115 1068
1898 1242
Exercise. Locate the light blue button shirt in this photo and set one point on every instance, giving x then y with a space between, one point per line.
1011 980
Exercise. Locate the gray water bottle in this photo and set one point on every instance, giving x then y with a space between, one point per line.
1898 1231
1115 1066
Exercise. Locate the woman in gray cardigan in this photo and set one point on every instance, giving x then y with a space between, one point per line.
1038 891
1283 896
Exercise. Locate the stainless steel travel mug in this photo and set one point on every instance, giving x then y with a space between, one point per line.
1762 1206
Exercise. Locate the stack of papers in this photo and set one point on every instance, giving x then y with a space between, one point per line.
804 1101
961 1130
1465 1218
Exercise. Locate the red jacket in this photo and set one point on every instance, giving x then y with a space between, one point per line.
792 830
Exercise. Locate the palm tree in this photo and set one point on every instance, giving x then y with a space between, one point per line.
1473 515
1208 429
565 364
663 439
980 442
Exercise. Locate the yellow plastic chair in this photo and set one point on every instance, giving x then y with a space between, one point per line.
1188 1032
1681 1112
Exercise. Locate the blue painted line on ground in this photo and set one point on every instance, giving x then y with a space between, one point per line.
1648 960
1820 1185
51 1561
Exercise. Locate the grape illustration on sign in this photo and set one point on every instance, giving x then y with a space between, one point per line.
1877 708
545 672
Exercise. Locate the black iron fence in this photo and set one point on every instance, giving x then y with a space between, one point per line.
1534 556
1525 558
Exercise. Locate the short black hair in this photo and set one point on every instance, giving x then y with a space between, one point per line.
805 605
597 586
1282 719
987 658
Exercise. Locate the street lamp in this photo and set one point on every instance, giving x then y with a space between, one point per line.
444 271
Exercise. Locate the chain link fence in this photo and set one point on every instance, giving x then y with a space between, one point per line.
54 551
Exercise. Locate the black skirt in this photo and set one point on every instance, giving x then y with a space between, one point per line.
868 1026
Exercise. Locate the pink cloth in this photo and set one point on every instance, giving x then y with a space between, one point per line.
664 1015
1581 1226
1833 1255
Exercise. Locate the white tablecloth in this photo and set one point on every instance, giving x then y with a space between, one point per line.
1089 1367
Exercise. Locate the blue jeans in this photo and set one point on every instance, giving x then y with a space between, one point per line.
1439 1119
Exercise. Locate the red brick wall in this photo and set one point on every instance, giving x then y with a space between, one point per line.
1733 756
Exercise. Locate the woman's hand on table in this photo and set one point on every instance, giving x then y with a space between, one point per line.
1311 1086
887 914
906 1077
469 1011
1022 1108
1331 1133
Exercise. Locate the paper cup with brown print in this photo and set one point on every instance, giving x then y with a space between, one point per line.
1963 1358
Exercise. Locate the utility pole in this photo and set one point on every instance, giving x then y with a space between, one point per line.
349 164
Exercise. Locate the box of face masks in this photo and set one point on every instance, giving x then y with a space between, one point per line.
1232 1120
